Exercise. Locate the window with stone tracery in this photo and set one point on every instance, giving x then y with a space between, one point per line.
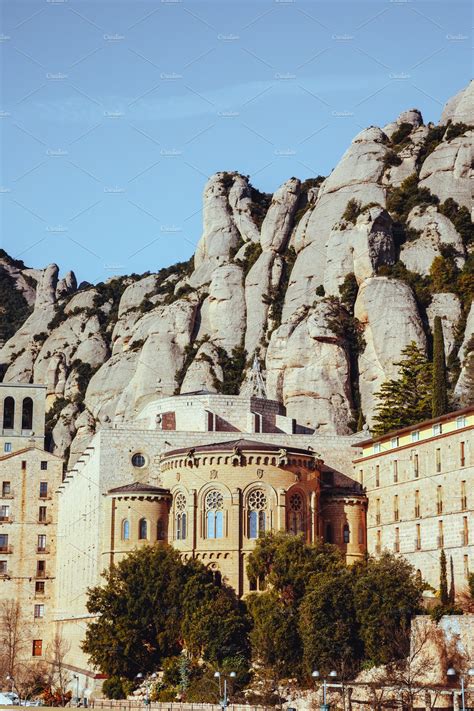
296 514
257 513
180 516
214 508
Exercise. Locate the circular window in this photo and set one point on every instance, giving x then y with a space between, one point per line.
257 500
296 502
180 502
214 500
138 460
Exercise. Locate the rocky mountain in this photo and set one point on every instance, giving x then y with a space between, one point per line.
326 280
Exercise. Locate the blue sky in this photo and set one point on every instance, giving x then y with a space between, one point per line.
113 114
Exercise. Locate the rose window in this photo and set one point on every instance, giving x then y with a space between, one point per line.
180 502
257 500
296 502
214 500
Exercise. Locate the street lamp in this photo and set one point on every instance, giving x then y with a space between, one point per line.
317 675
76 677
451 673
217 675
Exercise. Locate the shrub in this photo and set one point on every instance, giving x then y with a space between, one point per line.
114 687
320 291
352 211
252 253
456 129
402 199
401 136
461 219
433 139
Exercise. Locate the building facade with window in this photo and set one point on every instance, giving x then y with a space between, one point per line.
22 411
420 488
29 478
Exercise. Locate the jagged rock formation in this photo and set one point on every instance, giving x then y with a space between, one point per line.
327 280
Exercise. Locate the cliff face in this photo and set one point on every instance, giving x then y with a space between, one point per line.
326 281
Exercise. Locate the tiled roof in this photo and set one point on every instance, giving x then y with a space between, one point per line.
138 488
241 444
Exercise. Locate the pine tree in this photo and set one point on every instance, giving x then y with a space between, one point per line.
452 589
443 579
407 399
440 390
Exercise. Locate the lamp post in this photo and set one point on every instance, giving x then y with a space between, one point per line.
76 677
317 675
217 675
451 673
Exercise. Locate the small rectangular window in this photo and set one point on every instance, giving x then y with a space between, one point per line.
4 542
37 648
416 466
417 504
377 512
41 542
395 471
7 447
415 436
465 531
460 422
394 442
361 477
396 512
440 535
3 567
39 587
437 429
396 543
4 513
6 488
377 475
23 465
39 611
438 460
42 514
418 537
439 500
43 491
44 466
463 496
41 568
462 454
376 447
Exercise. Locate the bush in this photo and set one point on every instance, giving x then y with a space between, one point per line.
456 129
352 211
401 136
461 219
116 687
402 199
252 253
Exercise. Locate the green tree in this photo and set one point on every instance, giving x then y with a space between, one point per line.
444 273
151 605
467 397
440 387
328 626
387 594
276 644
405 400
443 579
452 588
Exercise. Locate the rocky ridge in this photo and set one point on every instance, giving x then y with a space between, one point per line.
326 280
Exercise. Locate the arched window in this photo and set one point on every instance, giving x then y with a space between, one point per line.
257 505
346 533
296 514
214 505
180 517
27 414
160 530
8 413
143 529
125 530
329 537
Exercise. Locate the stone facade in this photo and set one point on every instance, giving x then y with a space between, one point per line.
29 477
419 484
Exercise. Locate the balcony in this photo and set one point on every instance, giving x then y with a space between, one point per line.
43 549
6 549
7 494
